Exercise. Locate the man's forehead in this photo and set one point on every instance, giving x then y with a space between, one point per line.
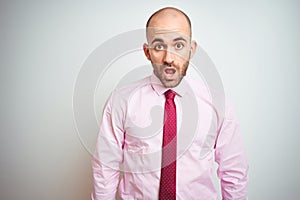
166 34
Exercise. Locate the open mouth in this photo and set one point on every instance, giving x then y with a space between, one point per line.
170 71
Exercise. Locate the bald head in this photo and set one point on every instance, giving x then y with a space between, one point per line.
170 17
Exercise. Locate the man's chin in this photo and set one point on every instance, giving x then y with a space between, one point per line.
170 83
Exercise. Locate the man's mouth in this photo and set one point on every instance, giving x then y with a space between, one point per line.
170 71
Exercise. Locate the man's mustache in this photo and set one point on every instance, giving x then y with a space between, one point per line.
169 66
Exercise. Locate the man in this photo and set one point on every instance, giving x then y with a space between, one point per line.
155 129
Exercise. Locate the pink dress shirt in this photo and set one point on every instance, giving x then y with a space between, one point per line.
130 140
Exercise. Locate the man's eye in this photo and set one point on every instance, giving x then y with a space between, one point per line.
159 47
179 46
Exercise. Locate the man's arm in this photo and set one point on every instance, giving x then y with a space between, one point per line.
231 157
108 154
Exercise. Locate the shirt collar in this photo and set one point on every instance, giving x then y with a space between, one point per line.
160 89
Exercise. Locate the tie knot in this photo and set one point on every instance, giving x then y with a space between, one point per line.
170 94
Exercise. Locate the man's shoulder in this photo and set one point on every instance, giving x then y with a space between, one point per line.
199 87
125 90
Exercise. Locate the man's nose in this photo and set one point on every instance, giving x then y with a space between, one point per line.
168 57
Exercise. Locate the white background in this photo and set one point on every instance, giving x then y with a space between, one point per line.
254 45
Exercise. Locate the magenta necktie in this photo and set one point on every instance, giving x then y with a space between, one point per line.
167 190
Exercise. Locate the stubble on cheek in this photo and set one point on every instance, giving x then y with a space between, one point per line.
184 68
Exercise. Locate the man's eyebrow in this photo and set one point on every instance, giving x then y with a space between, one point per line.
157 40
179 38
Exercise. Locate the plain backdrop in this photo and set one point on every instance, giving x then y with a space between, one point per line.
254 45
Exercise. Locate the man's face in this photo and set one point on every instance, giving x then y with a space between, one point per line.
169 48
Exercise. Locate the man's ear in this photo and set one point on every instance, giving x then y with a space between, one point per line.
146 51
193 48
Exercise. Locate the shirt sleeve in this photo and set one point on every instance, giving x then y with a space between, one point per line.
108 154
231 158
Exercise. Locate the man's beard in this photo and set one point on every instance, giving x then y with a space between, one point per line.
181 72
